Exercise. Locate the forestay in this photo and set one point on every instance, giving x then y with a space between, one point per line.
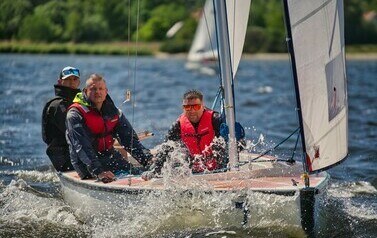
318 42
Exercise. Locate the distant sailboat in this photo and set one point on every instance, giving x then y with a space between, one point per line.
203 50
203 54
204 45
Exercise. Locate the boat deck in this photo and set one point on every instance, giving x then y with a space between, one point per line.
272 177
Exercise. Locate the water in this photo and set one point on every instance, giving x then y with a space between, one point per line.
31 204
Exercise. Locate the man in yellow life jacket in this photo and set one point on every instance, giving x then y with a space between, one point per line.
195 129
93 122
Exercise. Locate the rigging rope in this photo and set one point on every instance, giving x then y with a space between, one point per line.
128 94
261 155
135 62
208 31
268 151
218 95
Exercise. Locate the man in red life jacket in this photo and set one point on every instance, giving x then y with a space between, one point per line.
93 121
195 129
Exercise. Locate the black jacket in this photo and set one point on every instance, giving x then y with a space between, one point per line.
53 127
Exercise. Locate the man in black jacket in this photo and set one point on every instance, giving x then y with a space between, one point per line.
53 118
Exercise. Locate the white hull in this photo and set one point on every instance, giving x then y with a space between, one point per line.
203 67
266 182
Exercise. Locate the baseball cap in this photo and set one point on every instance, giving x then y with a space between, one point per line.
69 71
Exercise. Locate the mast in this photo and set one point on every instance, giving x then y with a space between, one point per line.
226 75
295 79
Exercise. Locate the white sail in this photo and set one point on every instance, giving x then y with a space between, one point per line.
237 17
204 45
318 42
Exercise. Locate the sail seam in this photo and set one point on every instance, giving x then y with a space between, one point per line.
311 13
333 29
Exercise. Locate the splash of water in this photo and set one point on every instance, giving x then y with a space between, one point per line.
27 212
349 193
252 146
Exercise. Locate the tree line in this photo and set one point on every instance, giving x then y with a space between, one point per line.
88 21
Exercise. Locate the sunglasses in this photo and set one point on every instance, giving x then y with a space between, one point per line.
75 72
194 107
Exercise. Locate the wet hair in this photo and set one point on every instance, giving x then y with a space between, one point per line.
94 78
193 94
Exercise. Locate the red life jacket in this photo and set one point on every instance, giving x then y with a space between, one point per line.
198 141
98 126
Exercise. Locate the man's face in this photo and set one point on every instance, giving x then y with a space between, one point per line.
96 92
193 109
71 82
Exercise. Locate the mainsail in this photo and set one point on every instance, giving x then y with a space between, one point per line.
317 34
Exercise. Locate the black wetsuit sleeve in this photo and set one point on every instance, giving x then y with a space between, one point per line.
165 149
216 122
174 133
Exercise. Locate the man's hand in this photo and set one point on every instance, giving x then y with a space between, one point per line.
106 176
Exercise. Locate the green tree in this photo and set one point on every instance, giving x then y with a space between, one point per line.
117 15
162 18
182 40
12 12
73 27
86 21
101 20
275 27
352 18
357 30
256 38
257 11
39 29
94 28
47 23
266 31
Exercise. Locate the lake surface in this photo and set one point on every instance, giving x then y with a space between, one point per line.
31 204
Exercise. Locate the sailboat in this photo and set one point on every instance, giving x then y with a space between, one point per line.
315 39
203 53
